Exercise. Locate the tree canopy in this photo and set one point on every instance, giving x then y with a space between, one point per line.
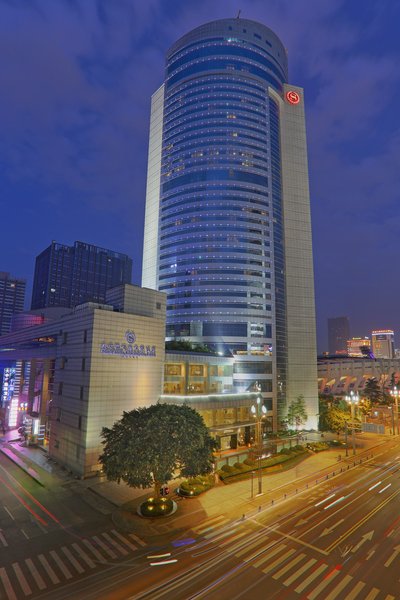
149 446
297 414
372 390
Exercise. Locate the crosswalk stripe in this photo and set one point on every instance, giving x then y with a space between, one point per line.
123 539
72 559
311 578
21 579
35 574
323 584
109 539
287 567
84 556
355 591
299 572
340 586
94 551
212 522
278 561
106 549
269 555
390 597
7 584
373 594
137 539
3 539
48 569
64 570
258 542
233 538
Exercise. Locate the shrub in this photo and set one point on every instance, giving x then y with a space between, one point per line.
284 451
227 468
250 462
156 508
240 466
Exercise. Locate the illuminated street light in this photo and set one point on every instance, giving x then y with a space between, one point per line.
352 399
259 411
395 394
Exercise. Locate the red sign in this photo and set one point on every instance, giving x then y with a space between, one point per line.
292 97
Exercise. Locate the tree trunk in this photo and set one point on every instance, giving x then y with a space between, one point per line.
157 486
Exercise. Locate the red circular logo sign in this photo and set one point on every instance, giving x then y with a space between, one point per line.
292 97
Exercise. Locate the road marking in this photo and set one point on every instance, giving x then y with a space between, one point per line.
72 559
25 534
94 551
124 540
48 569
7 584
21 579
323 584
163 562
137 539
279 560
65 571
385 488
210 524
335 502
35 574
340 586
102 545
249 547
233 538
8 512
299 572
311 578
355 591
390 597
370 554
84 556
364 538
396 551
287 567
373 594
269 555
218 534
329 530
120 549
159 555
3 539
374 486
325 500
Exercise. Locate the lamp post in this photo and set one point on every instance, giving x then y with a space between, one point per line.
352 399
259 411
395 394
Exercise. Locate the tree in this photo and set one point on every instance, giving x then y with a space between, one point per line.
372 390
297 414
336 419
149 446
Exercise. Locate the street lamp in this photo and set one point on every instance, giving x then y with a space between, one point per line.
352 399
395 394
259 411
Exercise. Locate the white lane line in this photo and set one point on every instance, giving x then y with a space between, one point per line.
214 536
117 546
35 574
64 570
374 486
106 549
137 539
163 562
7 584
8 512
355 591
94 551
287 567
3 539
302 586
159 555
21 579
269 555
340 586
299 572
121 537
233 538
72 559
211 524
385 488
25 534
259 542
48 569
333 503
278 561
325 500
373 594
84 556
321 586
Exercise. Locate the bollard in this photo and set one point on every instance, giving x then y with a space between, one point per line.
259 509
272 502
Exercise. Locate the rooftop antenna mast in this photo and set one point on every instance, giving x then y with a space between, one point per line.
238 15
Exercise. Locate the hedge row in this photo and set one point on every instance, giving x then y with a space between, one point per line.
196 485
317 446
273 463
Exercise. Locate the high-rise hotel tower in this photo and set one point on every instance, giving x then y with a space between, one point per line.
227 226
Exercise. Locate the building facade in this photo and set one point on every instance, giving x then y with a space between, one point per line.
227 226
359 346
338 334
12 298
339 376
70 275
383 343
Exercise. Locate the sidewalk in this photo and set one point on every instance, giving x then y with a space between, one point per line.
232 500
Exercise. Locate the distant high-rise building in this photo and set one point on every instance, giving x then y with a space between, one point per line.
70 275
338 334
12 298
227 228
358 346
383 343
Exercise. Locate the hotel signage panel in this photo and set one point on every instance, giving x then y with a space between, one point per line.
130 349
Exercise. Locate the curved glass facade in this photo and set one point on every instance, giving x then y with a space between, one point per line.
216 239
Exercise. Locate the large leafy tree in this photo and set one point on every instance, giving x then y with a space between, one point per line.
149 446
372 390
297 414
336 418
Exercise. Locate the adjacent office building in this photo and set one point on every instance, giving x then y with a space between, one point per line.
383 343
338 334
12 298
227 227
70 275
359 346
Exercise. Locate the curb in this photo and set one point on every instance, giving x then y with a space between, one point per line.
21 464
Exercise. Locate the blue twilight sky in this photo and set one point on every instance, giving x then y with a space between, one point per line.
76 78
